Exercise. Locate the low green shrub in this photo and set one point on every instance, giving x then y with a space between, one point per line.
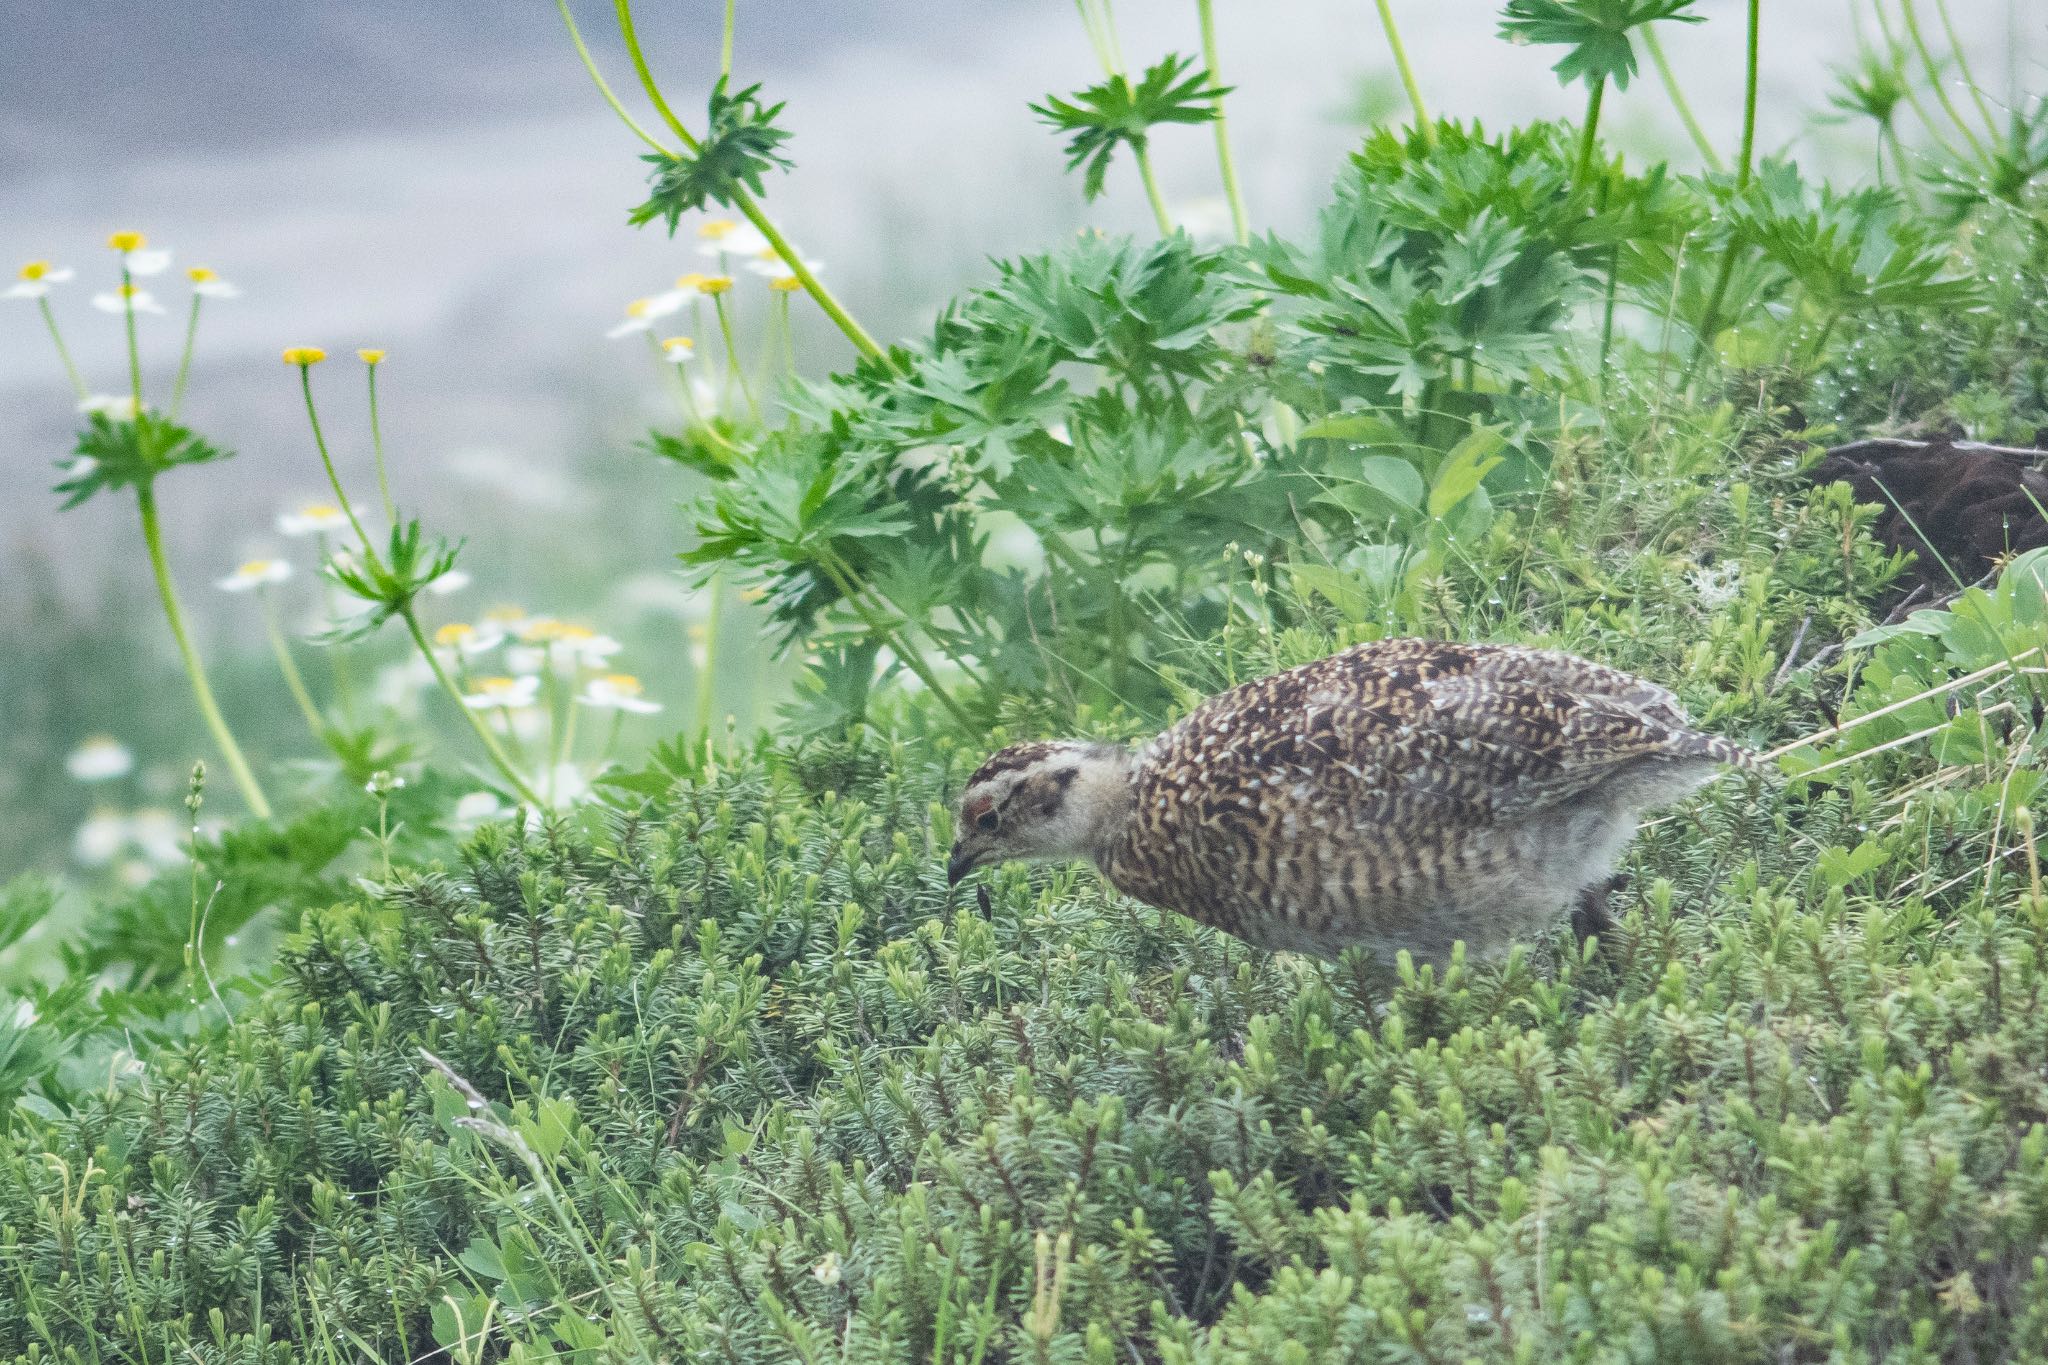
749 1086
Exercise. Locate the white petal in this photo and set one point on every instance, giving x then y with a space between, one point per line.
150 262
217 289
661 305
628 327
455 580
28 289
59 275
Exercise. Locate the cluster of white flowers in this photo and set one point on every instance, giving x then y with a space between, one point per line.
734 245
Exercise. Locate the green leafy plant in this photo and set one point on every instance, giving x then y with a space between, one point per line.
738 148
1121 113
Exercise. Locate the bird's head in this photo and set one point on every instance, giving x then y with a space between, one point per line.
1040 801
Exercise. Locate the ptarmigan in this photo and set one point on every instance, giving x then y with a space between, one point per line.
1401 794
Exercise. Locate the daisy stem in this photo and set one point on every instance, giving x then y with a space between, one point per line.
1422 124
1948 105
725 44
1678 99
377 444
788 333
741 199
63 351
294 681
1158 201
1896 50
568 736
603 88
185 357
1226 164
209 710
732 356
611 737
128 324
499 759
707 675
333 479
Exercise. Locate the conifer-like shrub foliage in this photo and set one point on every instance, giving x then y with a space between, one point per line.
732 1078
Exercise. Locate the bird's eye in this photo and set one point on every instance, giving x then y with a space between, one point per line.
986 820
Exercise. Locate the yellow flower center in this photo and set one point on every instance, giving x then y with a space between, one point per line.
319 511
255 568
698 633
624 683
129 291
200 274
575 634
638 308
691 280
303 355
717 228
683 344
542 628
752 594
715 284
504 616
35 270
454 633
127 241
767 253
497 687
370 355
788 284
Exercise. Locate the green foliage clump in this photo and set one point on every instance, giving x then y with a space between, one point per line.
734 1078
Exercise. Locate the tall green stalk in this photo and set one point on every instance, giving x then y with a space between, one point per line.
1225 162
741 200
1969 78
294 681
1422 123
732 356
1588 139
377 443
1933 69
707 676
1152 195
725 43
1710 320
1678 100
209 710
128 326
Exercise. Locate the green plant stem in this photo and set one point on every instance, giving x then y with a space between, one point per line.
327 461
1143 157
377 444
732 356
1746 165
128 325
1969 78
1225 162
707 675
499 758
604 87
63 351
1422 123
1678 99
912 658
1744 168
725 43
1588 138
185 357
1896 50
294 682
1933 69
337 658
741 200
209 711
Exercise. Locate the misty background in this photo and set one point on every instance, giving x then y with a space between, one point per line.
440 179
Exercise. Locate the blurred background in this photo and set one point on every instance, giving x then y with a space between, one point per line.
439 179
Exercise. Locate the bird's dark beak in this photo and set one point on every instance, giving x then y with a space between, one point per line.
959 865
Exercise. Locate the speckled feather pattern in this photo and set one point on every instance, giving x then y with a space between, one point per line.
1403 794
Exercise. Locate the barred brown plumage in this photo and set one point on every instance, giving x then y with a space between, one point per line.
1404 794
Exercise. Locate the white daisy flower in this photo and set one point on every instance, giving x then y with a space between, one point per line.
121 407
34 279
24 1015
678 350
101 758
567 785
127 298
257 573
455 580
500 693
617 692
642 313
312 517
398 686
209 284
100 839
566 644
729 237
460 637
